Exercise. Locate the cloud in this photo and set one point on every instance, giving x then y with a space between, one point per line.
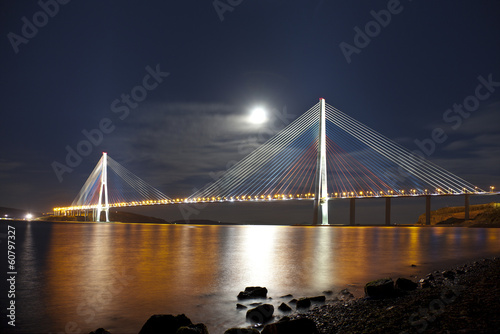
179 146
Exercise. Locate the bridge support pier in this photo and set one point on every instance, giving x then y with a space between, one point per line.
466 215
387 211
427 210
352 212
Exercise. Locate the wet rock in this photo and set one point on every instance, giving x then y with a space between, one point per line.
413 265
193 329
100 331
293 301
425 283
165 324
287 296
240 306
255 304
430 277
405 284
345 294
284 308
381 288
261 313
327 292
298 326
241 331
303 302
318 299
449 274
253 292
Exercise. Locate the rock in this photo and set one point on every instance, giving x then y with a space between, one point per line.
327 292
164 324
261 313
293 301
241 331
460 272
253 292
287 296
284 307
345 294
100 331
298 326
430 277
425 283
318 299
449 274
193 329
303 302
255 304
413 265
381 288
240 306
405 284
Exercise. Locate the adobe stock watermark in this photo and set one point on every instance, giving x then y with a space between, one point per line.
121 107
363 37
278 121
97 301
455 117
223 6
436 307
30 28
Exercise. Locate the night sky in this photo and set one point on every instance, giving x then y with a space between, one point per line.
170 84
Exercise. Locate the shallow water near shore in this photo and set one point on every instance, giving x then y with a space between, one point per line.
84 276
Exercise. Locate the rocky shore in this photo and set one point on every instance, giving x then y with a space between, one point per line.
465 299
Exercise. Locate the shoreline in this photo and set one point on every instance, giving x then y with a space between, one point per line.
463 299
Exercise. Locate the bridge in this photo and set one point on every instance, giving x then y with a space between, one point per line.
323 155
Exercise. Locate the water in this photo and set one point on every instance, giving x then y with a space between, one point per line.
81 276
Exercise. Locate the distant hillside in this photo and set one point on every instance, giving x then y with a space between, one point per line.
481 215
16 213
115 216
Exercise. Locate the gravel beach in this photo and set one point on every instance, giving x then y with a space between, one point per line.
465 299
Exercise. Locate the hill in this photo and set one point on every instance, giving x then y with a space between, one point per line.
114 216
481 215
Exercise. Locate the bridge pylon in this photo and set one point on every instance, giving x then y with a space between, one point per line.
103 190
320 216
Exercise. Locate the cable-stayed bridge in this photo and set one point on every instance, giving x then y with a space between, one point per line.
322 155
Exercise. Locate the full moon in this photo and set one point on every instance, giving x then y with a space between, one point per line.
258 116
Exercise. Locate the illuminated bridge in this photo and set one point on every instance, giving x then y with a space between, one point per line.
323 155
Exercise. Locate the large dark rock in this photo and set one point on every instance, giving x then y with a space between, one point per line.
381 288
298 326
405 284
318 299
261 313
241 331
253 292
303 302
100 331
193 329
164 324
284 308
240 306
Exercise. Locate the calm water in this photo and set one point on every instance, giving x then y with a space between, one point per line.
85 276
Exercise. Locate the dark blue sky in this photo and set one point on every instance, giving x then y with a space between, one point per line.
63 77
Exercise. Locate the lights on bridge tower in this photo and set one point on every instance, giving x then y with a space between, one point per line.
321 196
103 189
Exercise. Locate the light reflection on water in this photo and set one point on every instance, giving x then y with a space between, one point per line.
115 276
